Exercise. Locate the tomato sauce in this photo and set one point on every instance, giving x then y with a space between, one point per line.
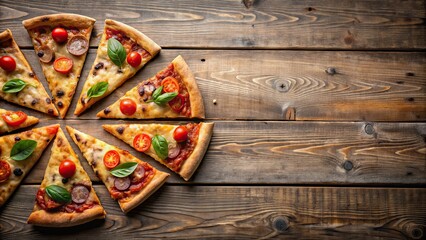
43 34
186 148
128 44
49 205
137 183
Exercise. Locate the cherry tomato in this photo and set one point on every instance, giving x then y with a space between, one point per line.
177 103
4 171
127 107
180 134
52 130
111 159
60 35
63 65
142 142
67 168
14 119
134 59
170 84
7 63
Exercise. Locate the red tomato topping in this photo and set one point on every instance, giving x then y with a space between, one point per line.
134 59
14 119
128 107
60 35
180 134
177 103
170 84
7 63
4 171
111 159
63 65
142 142
52 130
67 168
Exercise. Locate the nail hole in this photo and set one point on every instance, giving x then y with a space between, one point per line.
348 165
280 224
409 74
417 233
410 99
400 82
203 60
281 86
369 129
330 71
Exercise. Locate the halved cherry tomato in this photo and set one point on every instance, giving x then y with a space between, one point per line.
60 35
128 107
14 119
4 171
7 63
180 134
52 130
134 59
177 103
63 65
111 159
142 142
67 168
170 84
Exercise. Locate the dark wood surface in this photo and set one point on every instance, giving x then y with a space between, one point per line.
296 152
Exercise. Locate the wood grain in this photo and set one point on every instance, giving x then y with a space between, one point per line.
247 152
289 85
313 24
194 212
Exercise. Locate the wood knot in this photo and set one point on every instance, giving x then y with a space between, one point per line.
331 71
310 9
349 39
290 114
280 224
415 231
348 165
369 129
248 3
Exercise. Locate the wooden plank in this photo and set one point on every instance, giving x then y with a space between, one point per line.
194 212
291 85
251 152
314 24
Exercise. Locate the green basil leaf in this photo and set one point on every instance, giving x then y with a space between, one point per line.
97 90
116 52
124 169
157 92
58 194
165 98
23 149
161 146
14 86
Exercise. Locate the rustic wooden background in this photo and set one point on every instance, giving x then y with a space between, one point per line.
296 152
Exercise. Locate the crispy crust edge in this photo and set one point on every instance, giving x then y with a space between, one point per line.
147 43
60 219
191 164
197 105
60 18
158 181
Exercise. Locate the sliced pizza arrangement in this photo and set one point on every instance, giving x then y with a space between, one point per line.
122 52
61 42
66 196
18 82
171 93
13 120
129 180
18 154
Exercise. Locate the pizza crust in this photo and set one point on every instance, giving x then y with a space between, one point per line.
156 182
62 219
191 163
57 19
197 105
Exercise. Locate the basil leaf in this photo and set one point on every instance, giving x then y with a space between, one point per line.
116 52
165 98
157 92
161 146
124 169
14 86
23 149
97 90
58 194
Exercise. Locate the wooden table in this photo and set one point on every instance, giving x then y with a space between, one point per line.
297 151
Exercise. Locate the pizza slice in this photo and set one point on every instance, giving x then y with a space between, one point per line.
61 42
18 154
66 196
179 147
129 180
122 51
18 82
11 121
171 93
